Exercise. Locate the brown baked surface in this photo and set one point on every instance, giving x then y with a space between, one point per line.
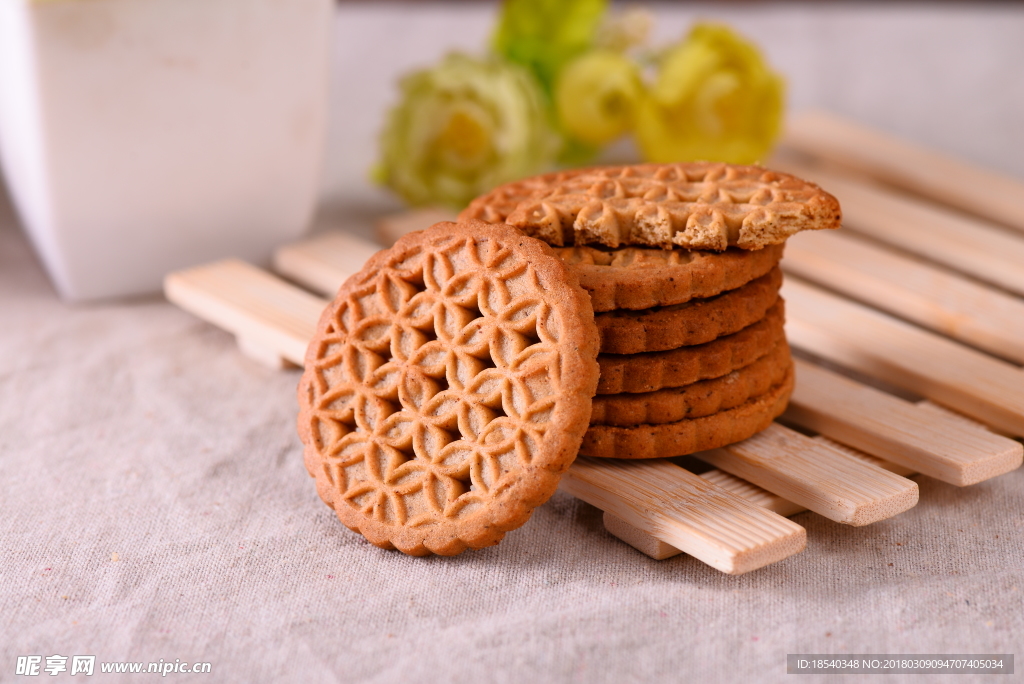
689 435
642 277
447 387
694 322
698 205
650 371
695 400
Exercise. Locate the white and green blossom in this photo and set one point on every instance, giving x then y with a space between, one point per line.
463 127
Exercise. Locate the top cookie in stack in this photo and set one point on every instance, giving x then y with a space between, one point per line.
698 205
681 263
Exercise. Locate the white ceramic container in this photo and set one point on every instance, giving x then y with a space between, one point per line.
142 136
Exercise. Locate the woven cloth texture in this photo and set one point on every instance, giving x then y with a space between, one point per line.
135 429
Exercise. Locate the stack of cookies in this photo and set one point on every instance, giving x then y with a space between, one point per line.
453 379
681 264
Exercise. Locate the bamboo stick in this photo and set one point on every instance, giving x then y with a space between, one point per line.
853 335
272 320
816 476
959 452
942 178
659 550
325 261
687 512
923 293
959 242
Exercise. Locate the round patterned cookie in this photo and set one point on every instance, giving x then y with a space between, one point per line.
643 277
696 205
651 371
447 387
697 399
690 435
694 322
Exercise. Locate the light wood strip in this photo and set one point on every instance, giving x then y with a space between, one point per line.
645 543
902 471
391 228
815 476
940 412
290 308
972 246
325 261
954 451
923 293
272 319
687 512
943 179
752 493
659 550
853 335
718 527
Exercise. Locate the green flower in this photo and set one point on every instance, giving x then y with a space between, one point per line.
543 35
596 96
714 99
463 127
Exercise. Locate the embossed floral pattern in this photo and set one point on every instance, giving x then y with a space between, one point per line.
434 383
696 205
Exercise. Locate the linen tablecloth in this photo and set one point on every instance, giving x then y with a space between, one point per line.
155 505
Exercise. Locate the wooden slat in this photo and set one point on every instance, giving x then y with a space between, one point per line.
954 451
945 180
961 243
659 550
815 476
281 318
687 512
902 471
392 227
325 261
923 293
751 492
264 342
852 335
272 320
645 543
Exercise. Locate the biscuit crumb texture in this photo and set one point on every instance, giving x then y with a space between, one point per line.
699 205
448 386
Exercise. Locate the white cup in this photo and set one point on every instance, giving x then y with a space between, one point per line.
143 136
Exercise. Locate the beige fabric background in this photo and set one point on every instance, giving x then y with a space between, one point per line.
133 428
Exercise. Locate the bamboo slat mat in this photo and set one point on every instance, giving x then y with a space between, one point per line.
909 325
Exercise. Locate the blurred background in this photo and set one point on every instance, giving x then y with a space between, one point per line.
949 75
177 519
141 138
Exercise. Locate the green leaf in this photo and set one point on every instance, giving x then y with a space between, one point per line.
543 35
